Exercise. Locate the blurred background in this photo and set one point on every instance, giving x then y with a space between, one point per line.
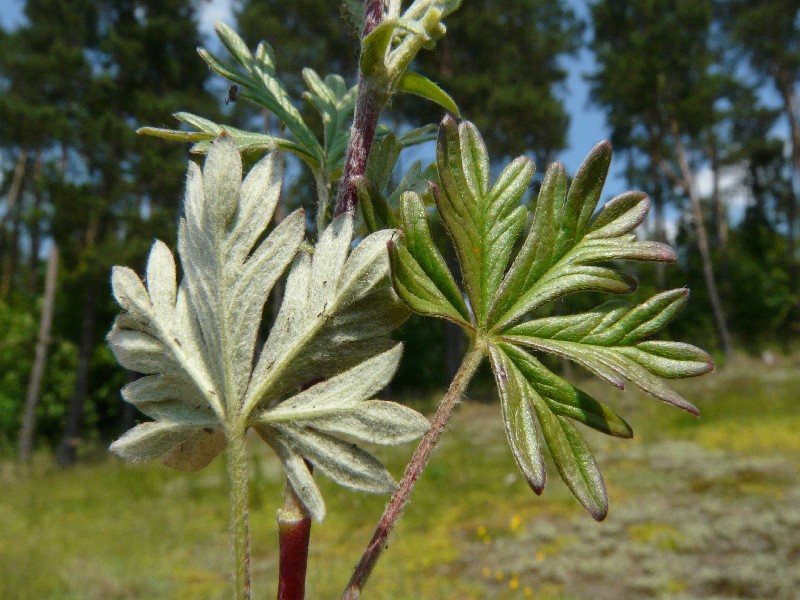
700 101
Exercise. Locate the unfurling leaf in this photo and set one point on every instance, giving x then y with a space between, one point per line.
566 250
390 47
196 343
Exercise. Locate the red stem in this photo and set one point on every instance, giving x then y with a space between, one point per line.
365 121
293 538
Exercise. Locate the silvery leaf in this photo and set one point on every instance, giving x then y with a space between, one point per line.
195 342
337 311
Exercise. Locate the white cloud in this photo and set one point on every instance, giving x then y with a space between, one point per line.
732 187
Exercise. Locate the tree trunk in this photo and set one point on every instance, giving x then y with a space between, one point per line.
28 427
69 442
702 243
660 234
10 239
785 84
720 216
35 226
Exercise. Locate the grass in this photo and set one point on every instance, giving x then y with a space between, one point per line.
699 509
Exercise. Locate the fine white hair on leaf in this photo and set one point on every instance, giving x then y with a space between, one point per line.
195 340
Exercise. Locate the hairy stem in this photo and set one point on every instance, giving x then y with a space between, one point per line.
369 103
240 529
414 469
294 531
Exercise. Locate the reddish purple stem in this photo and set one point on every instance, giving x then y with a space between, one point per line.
294 536
365 121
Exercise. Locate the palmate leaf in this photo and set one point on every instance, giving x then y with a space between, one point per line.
569 248
197 343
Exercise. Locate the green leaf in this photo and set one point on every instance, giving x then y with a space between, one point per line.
566 250
260 84
414 83
420 135
335 103
382 159
563 245
234 44
619 215
419 271
518 418
246 141
574 461
583 196
484 221
375 47
389 49
564 398
608 341
535 256
376 212
520 401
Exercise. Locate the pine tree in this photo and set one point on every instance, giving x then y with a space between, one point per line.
510 90
655 83
146 65
767 33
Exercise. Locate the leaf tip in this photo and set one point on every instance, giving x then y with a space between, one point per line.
667 254
603 148
537 486
599 513
691 409
449 122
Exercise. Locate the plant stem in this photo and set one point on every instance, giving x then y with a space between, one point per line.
294 531
414 469
240 529
369 103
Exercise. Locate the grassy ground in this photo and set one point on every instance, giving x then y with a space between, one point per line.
705 508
